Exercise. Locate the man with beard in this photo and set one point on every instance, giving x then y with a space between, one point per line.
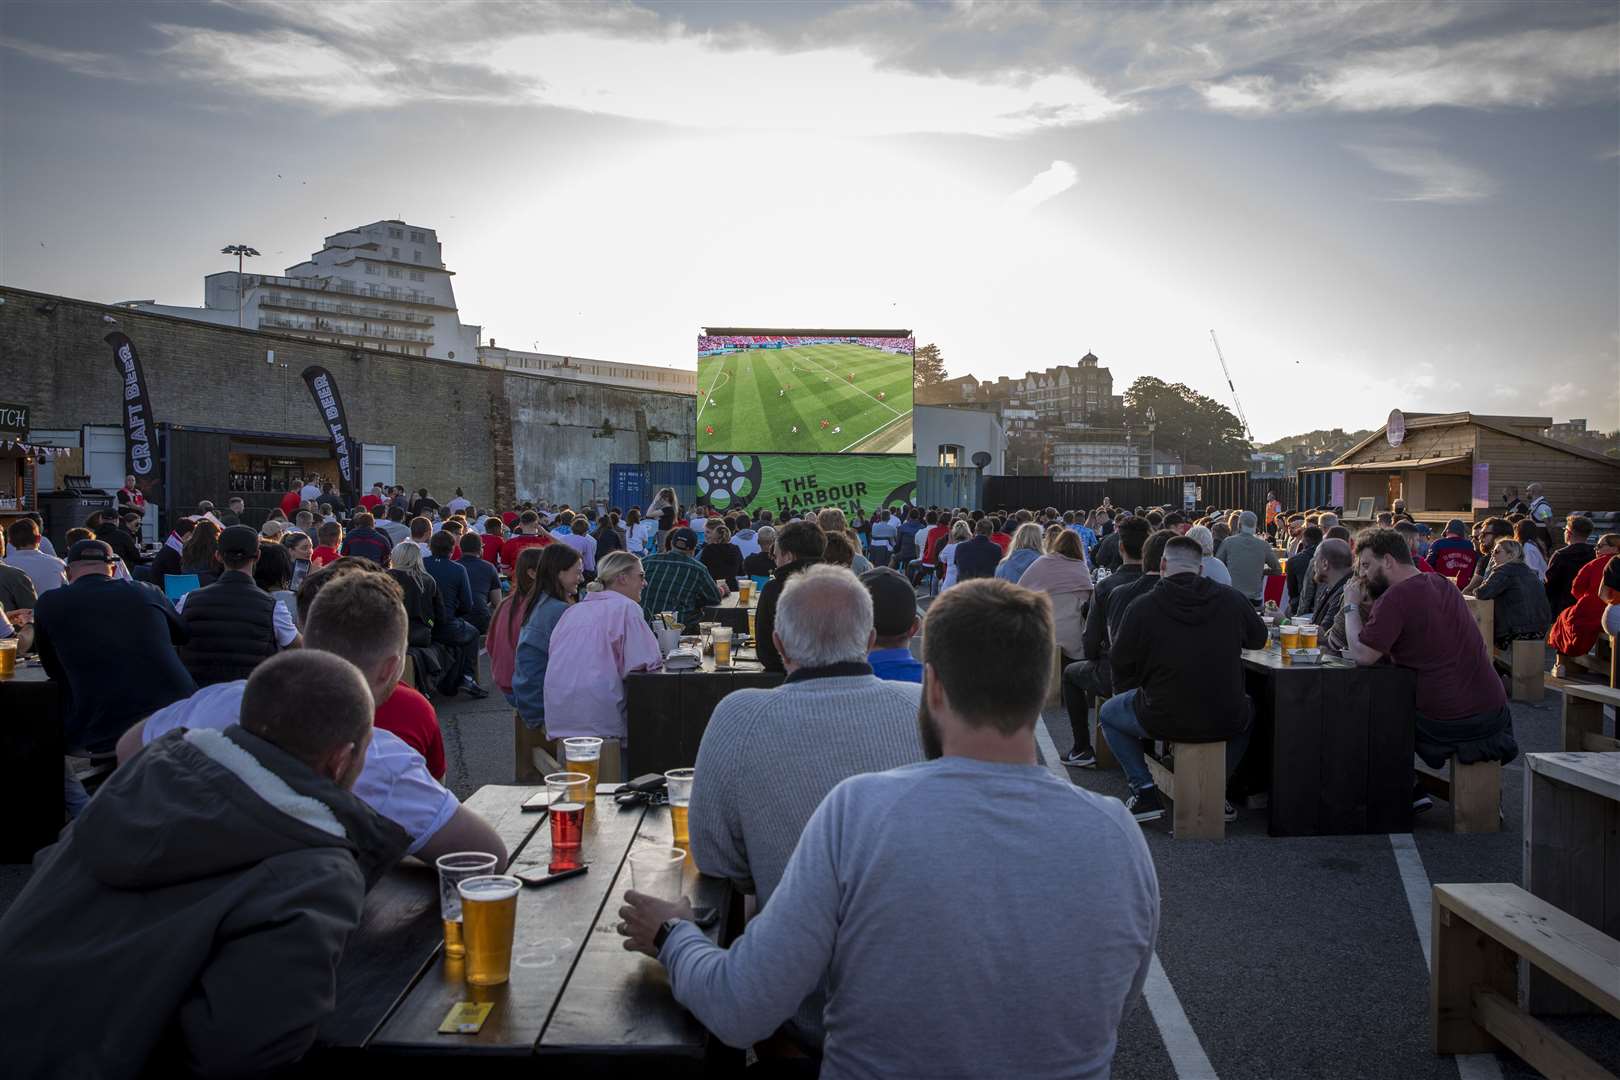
1420 621
976 870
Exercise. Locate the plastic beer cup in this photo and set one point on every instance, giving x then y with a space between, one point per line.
657 872
680 798
1290 641
454 869
8 658
1307 636
489 915
722 646
584 755
745 589
567 813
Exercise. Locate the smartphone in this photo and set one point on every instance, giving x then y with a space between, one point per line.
705 917
540 800
539 877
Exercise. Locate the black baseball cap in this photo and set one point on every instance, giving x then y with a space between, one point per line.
239 542
685 539
894 602
91 551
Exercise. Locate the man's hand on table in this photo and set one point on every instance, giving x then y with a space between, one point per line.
642 915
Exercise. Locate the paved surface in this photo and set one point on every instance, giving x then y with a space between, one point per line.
1293 959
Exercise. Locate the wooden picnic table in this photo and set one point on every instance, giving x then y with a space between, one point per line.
574 994
1571 854
1333 743
32 745
669 710
730 613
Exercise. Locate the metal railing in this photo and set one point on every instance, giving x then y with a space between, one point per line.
300 304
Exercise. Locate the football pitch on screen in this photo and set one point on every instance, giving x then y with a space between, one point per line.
812 399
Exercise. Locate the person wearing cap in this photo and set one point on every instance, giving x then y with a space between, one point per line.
1454 554
677 582
117 531
894 622
109 645
235 625
833 718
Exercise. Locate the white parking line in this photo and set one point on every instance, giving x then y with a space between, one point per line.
1420 899
1187 1055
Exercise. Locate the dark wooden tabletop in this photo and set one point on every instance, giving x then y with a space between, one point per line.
400 929
573 989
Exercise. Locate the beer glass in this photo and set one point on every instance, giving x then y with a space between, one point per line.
680 798
584 755
454 869
745 589
489 914
1290 641
567 813
752 635
1307 636
8 658
722 646
657 872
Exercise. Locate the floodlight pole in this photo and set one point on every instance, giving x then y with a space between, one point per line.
239 250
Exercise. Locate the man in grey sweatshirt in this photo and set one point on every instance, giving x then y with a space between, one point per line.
769 757
1249 558
922 893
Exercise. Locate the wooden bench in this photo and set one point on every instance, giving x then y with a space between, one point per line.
1583 715
1480 932
1526 665
1484 613
1606 668
1474 792
1195 784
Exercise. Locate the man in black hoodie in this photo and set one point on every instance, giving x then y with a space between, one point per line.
1177 671
218 875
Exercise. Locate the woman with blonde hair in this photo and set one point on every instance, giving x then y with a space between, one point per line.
1027 545
1522 611
595 644
961 533
1065 577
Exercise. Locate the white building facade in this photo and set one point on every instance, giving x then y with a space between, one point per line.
380 286
948 437
666 380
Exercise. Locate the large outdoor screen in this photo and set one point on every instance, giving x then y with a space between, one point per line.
774 394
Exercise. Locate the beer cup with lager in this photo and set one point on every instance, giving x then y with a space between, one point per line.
680 799
8 658
752 635
722 646
1307 636
584 755
453 870
745 589
1290 641
567 812
657 872
489 914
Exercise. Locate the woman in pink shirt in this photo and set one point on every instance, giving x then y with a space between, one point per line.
595 644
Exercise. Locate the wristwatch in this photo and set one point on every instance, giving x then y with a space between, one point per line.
663 933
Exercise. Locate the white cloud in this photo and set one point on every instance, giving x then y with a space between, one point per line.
1430 175
1048 184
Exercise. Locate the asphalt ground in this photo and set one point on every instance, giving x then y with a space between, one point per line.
1292 959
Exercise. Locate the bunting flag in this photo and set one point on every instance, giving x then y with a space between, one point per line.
323 388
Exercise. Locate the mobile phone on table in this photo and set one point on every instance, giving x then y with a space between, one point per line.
540 800
539 877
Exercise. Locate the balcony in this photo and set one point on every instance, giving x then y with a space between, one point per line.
337 285
328 328
298 303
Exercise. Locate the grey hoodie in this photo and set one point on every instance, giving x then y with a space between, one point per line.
193 917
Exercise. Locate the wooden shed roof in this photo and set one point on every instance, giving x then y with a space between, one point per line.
1512 426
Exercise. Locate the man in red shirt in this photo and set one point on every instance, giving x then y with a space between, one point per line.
290 503
1409 532
410 716
494 537
374 499
1454 554
1000 536
529 534
1420 621
330 534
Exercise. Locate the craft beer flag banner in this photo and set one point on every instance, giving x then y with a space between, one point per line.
140 430
324 389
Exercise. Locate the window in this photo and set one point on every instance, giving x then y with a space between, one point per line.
394 234
394 253
417 275
416 256
416 237
950 455
371 268
393 271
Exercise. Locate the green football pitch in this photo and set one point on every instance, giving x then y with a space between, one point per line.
812 399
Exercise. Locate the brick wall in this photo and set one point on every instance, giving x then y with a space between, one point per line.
490 432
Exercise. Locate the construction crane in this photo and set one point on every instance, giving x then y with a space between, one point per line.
1242 419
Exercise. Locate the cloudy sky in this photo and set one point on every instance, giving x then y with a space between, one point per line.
1413 205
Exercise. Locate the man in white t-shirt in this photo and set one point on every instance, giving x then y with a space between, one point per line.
459 503
395 781
311 491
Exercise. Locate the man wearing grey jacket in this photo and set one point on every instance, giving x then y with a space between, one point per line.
1248 558
920 894
769 757
198 907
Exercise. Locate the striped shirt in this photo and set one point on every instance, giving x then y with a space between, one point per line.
677 582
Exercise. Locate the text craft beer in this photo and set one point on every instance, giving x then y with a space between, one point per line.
488 915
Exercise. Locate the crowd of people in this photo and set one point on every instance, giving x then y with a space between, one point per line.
266 683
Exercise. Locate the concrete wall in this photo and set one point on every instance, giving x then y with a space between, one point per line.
971 429
499 435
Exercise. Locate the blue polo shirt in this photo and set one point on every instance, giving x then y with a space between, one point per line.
896 665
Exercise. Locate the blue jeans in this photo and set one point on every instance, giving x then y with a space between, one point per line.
1124 734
